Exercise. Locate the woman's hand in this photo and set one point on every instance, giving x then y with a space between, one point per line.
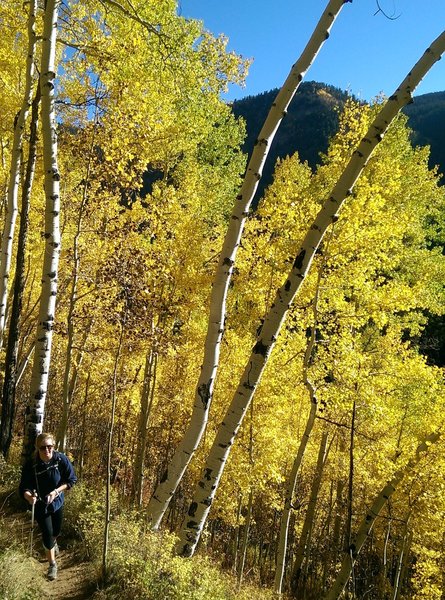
30 497
52 496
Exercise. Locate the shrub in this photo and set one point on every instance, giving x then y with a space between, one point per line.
144 565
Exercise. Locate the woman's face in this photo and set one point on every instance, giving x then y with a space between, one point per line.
46 449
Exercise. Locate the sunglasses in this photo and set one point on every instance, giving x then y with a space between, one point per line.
48 447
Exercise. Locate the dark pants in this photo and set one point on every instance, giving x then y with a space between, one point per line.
50 525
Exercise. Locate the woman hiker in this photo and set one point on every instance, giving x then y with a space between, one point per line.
44 479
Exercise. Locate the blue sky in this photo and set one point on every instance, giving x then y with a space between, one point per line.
366 53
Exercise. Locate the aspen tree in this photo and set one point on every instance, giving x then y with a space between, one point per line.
402 559
69 382
292 478
12 373
220 450
303 548
147 397
368 521
14 172
204 390
105 548
44 333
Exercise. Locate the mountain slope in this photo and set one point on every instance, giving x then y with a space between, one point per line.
426 117
313 118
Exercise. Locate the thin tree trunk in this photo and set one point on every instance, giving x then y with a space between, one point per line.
83 434
66 396
109 455
347 542
385 555
292 479
303 547
367 523
351 475
11 374
42 356
404 550
24 363
220 450
245 540
204 391
71 385
442 596
147 397
289 494
339 505
325 542
14 173
237 535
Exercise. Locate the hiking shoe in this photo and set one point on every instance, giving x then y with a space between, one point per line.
52 572
56 549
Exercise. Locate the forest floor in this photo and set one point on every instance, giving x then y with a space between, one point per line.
76 578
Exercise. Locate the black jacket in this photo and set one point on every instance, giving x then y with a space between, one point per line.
45 477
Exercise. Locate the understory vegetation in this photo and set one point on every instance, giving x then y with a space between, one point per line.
142 564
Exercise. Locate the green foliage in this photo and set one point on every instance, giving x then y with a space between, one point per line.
84 516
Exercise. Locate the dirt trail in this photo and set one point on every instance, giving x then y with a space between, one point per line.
75 577
75 580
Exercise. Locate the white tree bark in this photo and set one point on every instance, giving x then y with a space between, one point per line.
10 380
42 356
219 452
14 172
401 562
372 514
204 391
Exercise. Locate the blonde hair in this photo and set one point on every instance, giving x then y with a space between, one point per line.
44 436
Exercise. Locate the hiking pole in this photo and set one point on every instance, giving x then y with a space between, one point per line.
32 522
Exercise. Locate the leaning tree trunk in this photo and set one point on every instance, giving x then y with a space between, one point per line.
204 391
366 525
219 452
11 368
14 173
42 356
